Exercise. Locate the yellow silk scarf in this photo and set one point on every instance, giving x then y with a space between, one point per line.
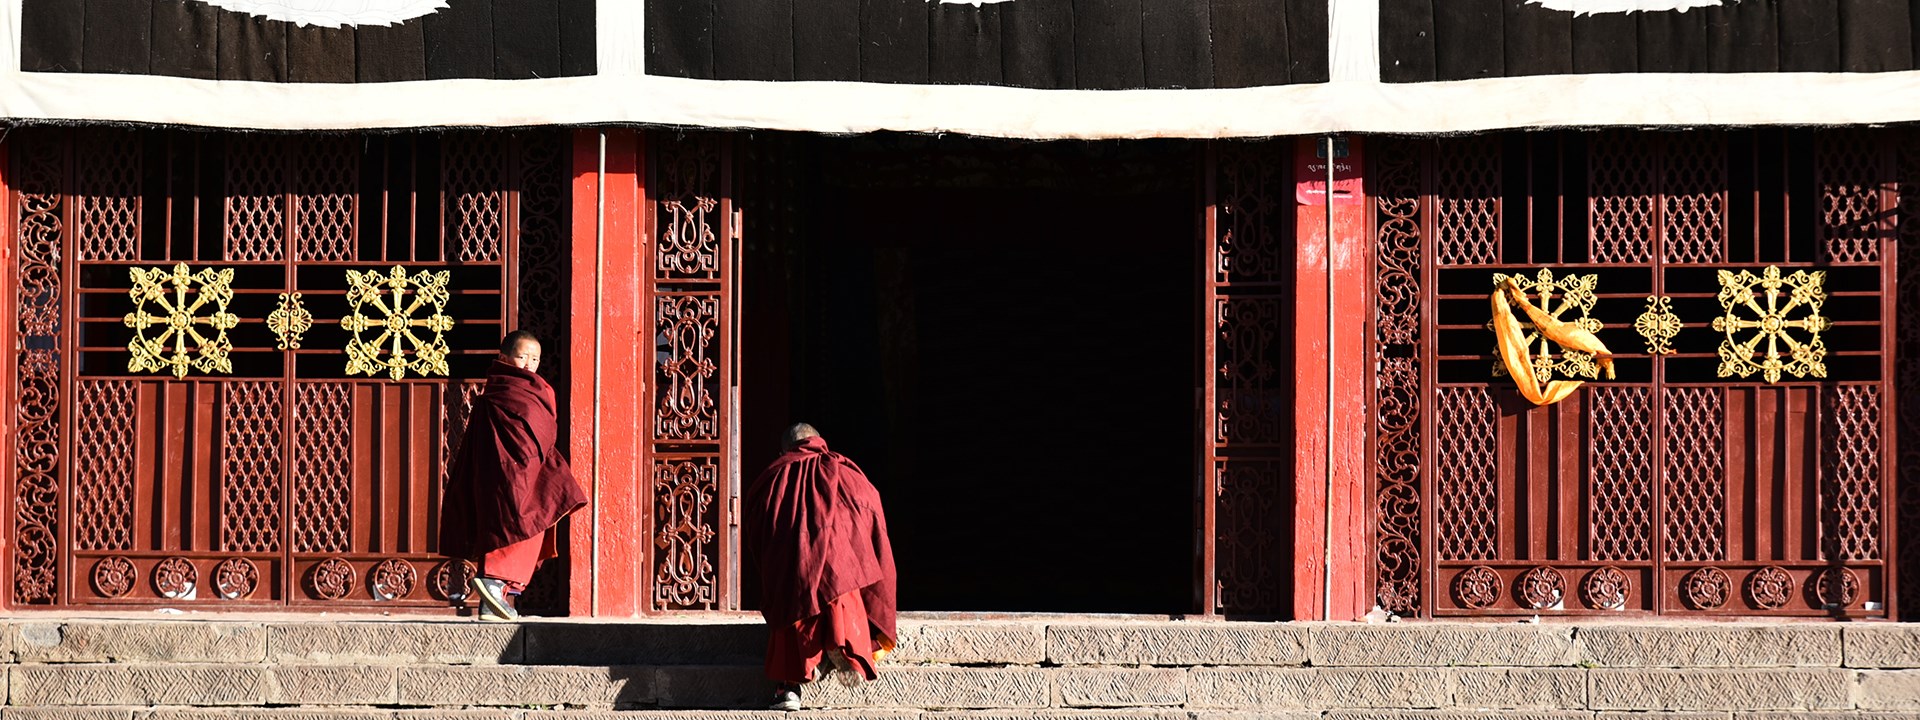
1511 340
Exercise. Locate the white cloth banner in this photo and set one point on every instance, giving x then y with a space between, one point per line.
1589 7
334 13
1354 101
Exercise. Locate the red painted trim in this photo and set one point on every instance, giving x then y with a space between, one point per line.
607 542
1311 355
727 545
580 349
1330 408
1206 478
9 243
1351 249
628 346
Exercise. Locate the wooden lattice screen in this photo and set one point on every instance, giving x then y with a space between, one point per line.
1246 380
243 359
1716 475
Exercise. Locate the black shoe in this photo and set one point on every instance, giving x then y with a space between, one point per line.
493 603
786 697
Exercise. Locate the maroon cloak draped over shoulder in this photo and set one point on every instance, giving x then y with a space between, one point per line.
508 481
816 524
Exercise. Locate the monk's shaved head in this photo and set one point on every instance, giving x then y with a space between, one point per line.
514 340
522 350
799 434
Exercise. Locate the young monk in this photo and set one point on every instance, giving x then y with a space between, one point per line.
826 566
509 485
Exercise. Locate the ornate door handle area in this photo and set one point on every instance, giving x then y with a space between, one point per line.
1658 325
290 321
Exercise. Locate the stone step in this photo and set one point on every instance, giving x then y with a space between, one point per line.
936 687
310 713
326 713
26 638
1000 669
560 642
521 686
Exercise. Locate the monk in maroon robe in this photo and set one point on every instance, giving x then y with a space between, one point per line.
826 566
509 485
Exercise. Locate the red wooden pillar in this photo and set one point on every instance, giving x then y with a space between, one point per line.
9 397
1330 504
611 353
1352 506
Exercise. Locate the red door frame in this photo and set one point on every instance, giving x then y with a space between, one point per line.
9 341
1331 294
614 553
609 548
611 553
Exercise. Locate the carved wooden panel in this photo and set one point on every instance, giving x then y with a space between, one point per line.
322 467
1696 489
1255 217
1693 209
103 489
1675 487
265 474
1466 522
1466 201
1850 446
109 167
1249 534
690 299
477 215
1247 381
1853 206
690 386
326 199
40 166
256 199
1619 525
251 444
1250 354
1624 174
1397 430
686 532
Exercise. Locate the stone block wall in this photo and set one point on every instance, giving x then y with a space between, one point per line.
124 669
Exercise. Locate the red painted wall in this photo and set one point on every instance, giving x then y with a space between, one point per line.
610 350
1330 411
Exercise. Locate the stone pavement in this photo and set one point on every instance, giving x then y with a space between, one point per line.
322 668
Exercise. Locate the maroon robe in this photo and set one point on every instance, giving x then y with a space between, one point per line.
816 525
508 482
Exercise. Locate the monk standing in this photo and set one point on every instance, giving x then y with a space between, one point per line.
509 485
826 567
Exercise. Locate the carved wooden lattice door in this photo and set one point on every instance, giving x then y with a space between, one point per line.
1740 462
1246 375
239 357
692 293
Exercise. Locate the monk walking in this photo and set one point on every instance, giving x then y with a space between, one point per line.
509 485
826 567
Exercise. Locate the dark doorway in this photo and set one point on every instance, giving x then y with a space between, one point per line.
1002 334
